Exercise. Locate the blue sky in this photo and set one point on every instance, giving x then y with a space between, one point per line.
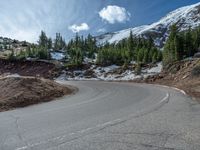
24 19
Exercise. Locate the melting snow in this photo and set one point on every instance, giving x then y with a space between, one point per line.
157 69
57 55
110 73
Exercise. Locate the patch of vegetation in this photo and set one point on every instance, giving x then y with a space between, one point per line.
128 50
80 47
181 45
123 53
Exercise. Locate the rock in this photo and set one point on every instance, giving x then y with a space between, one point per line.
197 55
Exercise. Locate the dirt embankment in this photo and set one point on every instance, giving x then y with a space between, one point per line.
20 91
184 75
29 68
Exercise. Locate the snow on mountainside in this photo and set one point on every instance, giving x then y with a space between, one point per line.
185 17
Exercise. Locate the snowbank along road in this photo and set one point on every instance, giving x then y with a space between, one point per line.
106 115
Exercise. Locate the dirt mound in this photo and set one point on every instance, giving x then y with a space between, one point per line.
29 68
184 75
20 91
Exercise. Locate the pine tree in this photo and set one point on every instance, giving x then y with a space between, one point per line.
188 43
150 43
43 40
155 57
59 43
49 44
130 41
140 55
170 51
145 57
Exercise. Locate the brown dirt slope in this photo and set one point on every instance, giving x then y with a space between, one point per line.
29 68
21 91
184 75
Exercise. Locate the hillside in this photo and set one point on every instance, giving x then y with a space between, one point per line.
8 45
185 17
29 68
183 74
24 91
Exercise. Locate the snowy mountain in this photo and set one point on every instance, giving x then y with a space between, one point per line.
184 17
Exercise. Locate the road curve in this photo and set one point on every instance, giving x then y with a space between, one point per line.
105 115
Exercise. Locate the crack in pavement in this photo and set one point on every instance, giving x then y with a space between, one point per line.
142 133
16 122
17 126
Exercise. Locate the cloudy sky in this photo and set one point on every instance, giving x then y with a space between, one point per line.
24 19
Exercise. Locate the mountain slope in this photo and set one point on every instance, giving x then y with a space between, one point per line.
184 17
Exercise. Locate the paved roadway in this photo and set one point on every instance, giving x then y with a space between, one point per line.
106 116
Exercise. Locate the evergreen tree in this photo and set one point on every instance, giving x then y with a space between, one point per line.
171 47
131 45
49 44
59 43
43 40
140 55
146 56
121 53
188 43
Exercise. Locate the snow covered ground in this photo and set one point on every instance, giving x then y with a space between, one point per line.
156 69
57 55
110 73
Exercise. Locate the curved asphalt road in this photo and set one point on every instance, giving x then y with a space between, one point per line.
106 115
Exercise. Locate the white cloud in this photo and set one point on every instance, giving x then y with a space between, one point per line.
77 28
114 14
102 30
9 29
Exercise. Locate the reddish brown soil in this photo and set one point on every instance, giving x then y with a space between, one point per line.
22 91
29 68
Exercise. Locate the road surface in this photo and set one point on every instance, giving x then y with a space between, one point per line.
106 116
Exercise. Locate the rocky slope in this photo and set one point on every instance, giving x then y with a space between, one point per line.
185 17
184 75
12 44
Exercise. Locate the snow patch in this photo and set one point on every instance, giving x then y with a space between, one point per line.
156 69
13 75
110 73
57 55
